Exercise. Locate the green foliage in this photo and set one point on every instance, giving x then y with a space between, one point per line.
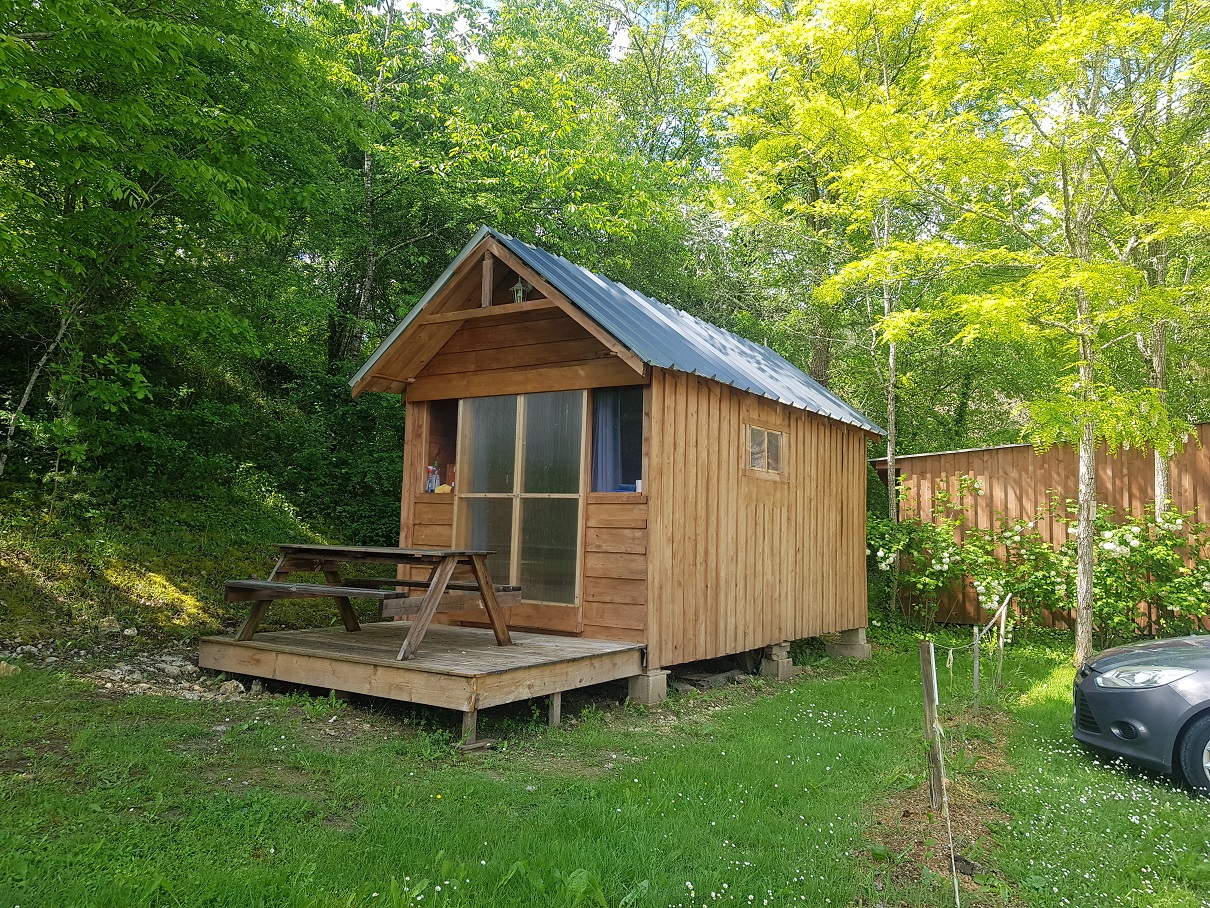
1153 563
1151 573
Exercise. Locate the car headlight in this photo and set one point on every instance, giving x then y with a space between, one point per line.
1141 677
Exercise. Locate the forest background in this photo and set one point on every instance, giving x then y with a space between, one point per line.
978 223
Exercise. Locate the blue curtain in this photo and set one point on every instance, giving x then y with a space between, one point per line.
606 441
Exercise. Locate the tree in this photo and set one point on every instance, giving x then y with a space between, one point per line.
816 103
1060 143
130 139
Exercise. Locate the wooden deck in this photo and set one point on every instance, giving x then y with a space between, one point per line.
458 668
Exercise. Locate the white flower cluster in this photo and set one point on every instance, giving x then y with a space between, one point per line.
1013 536
1206 585
991 593
885 559
943 560
1175 525
1117 543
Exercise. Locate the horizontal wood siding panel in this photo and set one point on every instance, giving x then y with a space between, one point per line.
515 330
426 535
614 585
615 614
740 562
621 634
615 589
516 357
434 509
605 372
616 539
609 564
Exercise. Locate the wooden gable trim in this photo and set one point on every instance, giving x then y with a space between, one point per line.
571 309
399 367
462 315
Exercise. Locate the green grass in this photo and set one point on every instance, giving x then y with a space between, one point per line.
1086 830
157 564
755 795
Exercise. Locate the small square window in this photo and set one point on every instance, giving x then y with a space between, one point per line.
765 450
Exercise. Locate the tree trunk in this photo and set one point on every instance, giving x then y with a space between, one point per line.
883 239
1158 349
344 331
1154 261
892 481
15 417
1087 496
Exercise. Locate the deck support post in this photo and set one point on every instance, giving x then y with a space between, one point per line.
850 644
470 726
556 709
649 688
776 663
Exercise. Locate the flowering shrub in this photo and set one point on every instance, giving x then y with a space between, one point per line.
1151 573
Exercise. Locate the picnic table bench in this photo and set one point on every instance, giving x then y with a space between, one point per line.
392 592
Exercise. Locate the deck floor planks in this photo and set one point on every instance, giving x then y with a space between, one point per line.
456 666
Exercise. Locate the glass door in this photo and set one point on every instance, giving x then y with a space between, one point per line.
520 488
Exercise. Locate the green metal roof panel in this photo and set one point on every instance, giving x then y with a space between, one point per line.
673 339
660 335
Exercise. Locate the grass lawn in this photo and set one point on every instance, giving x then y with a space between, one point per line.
771 794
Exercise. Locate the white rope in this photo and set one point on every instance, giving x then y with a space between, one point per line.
949 830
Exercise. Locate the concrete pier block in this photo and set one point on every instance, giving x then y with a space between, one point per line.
850 644
649 688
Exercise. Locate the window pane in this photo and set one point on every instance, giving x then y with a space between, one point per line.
756 447
773 452
553 428
490 442
617 439
488 524
549 542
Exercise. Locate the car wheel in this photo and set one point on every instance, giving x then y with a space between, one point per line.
1195 755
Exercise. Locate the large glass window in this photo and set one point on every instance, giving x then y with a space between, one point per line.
519 488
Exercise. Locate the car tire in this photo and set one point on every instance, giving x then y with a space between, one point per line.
1195 756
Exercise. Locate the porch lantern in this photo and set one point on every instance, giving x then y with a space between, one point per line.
519 290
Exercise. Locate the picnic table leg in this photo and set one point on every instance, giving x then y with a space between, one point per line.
260 608
256 615
487 593
428 608
347 616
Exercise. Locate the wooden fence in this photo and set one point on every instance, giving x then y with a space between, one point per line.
1017 482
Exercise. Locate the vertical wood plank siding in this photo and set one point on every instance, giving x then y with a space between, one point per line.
709 561
738 562
1017 482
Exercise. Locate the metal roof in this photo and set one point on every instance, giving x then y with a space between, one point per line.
663 336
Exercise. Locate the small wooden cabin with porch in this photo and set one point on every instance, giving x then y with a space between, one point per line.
642 475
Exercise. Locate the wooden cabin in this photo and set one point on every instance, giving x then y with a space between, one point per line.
642 475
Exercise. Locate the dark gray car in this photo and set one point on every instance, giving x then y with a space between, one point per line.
1149 703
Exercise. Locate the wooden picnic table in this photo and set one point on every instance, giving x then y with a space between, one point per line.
327 559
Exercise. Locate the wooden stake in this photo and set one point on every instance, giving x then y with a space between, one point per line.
489 280
932 731
1003 627
975 629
